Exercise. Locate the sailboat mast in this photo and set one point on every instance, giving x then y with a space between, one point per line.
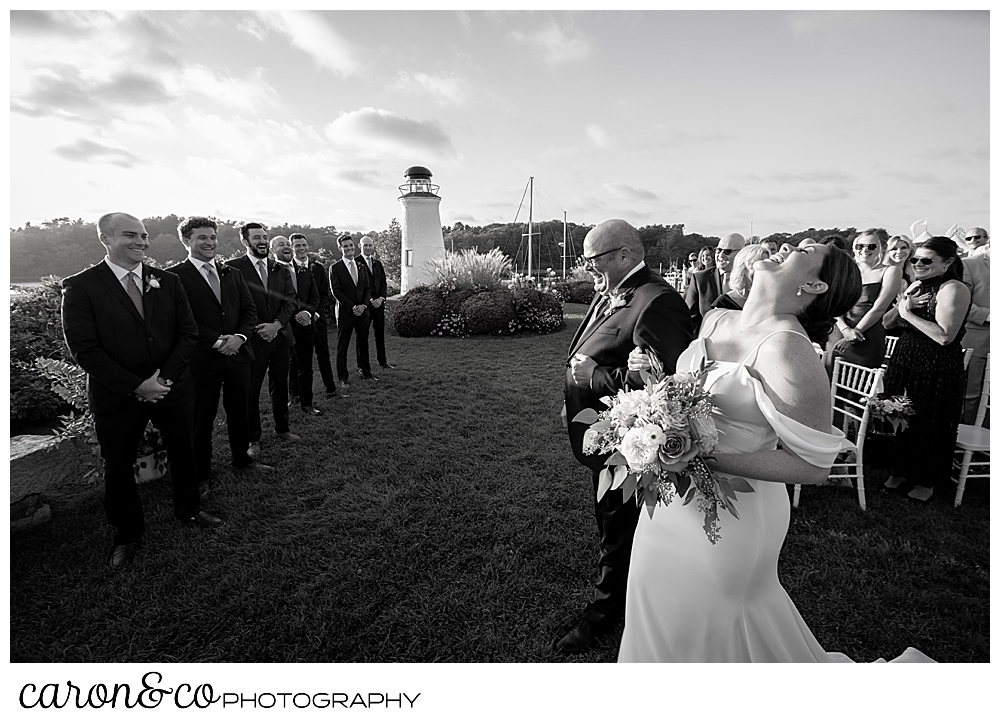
531 198
565 250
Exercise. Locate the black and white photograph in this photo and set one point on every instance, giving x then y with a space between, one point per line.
402 335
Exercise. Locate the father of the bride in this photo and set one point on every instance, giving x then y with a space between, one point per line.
636 309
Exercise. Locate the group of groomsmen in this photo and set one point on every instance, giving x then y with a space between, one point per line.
165 345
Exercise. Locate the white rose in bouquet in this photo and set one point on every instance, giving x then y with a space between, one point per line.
640 446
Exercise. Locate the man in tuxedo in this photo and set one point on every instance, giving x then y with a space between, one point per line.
273 296
300 246
220 364
130 328
300 373
350 286
976 273
708 285
636 309
376 307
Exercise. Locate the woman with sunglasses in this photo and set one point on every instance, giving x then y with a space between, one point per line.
859 336
928 366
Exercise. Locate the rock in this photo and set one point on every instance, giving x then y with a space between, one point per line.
37 465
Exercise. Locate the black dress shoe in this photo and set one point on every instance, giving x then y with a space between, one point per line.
580 639
255 465
344 384
313 411
288 436
122 555
205 519
370 377
387 365
254 450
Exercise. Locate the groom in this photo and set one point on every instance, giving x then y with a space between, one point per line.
636 308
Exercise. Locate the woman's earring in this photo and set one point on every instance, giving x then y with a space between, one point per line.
799 292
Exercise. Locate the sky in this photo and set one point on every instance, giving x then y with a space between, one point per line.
722 121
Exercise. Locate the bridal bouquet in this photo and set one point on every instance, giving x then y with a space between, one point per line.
893 410
658 437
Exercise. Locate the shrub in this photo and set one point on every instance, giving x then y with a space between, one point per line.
536 311
489 312
453 300
419 312
575 292
451 324
35 330
469 269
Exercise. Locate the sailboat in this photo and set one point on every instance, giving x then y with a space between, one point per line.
532 270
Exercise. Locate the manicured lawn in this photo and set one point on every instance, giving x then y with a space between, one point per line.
438 515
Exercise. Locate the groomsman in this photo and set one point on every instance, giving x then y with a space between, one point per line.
376 307
653 317
130 328
306 303
220 364
273 296
350 285
300 245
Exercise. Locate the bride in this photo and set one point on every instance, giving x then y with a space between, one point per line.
689 600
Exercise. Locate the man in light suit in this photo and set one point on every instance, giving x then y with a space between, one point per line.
976 273
350 285
708 285
130 328
226 316
376 307
273 296
653 317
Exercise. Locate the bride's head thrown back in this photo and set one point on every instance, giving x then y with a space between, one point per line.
816 283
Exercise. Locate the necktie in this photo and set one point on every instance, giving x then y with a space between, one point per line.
262 268
132 289
354 271
295 281
598 312
213 281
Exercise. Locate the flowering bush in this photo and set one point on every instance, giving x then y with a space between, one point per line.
575 292
419 312
489 312
536 311
451 324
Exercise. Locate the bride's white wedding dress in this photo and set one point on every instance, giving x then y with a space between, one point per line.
691 601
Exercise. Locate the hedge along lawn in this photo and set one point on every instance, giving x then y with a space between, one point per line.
438 515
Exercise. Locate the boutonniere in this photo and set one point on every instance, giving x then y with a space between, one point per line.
223 271
152 282
616 300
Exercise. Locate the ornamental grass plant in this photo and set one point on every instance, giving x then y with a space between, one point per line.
469 269
439 516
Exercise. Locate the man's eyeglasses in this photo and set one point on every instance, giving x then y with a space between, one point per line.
973 238
921 261
865 247
725 252
588 260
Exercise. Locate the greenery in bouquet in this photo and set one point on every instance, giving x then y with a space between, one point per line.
658 438
892 410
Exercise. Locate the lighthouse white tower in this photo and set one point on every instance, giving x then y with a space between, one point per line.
422 239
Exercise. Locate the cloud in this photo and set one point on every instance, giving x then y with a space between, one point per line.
808 23
244 93
58 22
814 177
629 193
556 45
918 177
381 131
60 90
311 34
598 136
444 89
362 177
671 137
88 151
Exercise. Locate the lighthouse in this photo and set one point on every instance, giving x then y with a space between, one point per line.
422 239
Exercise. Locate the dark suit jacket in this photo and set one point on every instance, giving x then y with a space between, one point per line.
346 292
306 297
115 346
235 315
379 284
276 302
701 293
654 317
321 280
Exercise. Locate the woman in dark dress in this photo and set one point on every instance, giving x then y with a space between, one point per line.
928 366
859 336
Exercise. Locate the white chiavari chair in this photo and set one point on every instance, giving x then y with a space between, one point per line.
973 439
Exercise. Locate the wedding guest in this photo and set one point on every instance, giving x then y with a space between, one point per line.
978 240
129 326
220 364
300 245
836 241
379 290
742 277
859 337
898 252
708 285
351 288
976 275
928 366
273 296
771 245
639 309
706 258
300 381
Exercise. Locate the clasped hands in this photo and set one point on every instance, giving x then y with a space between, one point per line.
359 309
851 336
153 389
230 344
304 318
268 331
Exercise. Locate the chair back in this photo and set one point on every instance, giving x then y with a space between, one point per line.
984 398
852 385
890 346
968 357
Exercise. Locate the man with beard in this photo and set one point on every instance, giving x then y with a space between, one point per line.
635 308
273 295
300 246
306 304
